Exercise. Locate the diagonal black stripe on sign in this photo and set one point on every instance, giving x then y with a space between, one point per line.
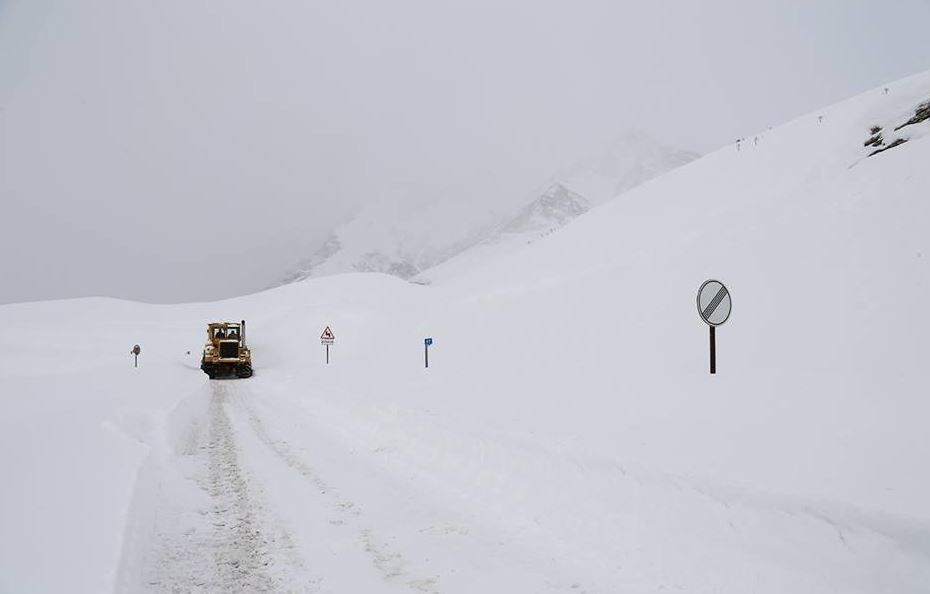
714 303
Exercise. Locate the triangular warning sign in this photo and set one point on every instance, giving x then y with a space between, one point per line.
327 334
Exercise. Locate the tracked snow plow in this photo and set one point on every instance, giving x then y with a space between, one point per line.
225 354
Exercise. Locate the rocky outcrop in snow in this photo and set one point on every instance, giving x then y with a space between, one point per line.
877 139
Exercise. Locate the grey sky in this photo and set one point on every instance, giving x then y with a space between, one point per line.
126 125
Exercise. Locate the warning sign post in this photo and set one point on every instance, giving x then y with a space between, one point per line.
326 339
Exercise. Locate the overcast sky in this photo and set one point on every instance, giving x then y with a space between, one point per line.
177 150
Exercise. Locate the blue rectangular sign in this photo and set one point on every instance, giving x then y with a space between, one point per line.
427 341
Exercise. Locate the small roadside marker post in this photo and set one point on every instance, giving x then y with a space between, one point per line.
426 344
326 339
136 350
714 305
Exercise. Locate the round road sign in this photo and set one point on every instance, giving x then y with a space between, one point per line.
714 303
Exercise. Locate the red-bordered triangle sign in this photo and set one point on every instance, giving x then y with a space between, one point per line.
328 334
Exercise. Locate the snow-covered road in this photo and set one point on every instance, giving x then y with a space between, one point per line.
275 490
240 476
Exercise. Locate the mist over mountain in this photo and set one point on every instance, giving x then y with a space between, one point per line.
406 241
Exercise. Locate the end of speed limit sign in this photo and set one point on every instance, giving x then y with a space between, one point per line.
714 303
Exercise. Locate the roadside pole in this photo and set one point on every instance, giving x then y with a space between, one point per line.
713 349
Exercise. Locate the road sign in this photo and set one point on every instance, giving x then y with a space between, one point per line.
714 306
136 350
327 337
427 341
714 303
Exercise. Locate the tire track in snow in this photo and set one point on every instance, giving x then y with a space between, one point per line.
391 564
241 557
230 545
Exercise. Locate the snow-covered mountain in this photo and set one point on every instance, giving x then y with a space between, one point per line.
556 207
566 436
406 239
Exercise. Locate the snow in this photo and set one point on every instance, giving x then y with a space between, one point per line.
566 437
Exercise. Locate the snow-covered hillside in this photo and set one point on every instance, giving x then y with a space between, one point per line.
404 239
566 437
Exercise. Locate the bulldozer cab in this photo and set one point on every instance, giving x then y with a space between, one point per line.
224 331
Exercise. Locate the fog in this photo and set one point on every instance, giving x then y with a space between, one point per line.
190 150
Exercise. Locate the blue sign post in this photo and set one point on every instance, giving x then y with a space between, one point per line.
426 343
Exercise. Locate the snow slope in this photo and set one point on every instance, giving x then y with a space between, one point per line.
566 437
406 237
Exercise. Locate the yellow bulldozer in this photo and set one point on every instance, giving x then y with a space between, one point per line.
225 353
